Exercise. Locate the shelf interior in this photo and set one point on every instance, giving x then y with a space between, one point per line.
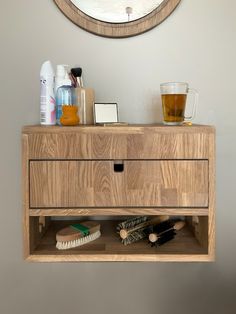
185 242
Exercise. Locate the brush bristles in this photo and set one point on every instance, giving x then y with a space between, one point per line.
135 237
132 222
163 227
75 243
165 237
76 72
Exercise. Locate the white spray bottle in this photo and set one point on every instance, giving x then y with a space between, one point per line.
60 76
47 97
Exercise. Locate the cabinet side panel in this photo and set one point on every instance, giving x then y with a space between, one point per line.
25 195
212 178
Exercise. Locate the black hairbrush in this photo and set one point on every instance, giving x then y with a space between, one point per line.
164 232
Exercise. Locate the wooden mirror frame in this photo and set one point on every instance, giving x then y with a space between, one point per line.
117 30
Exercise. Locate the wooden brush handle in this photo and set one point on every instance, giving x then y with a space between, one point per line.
125 232
153 237
179 225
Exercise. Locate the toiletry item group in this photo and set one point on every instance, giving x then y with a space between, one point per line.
64 100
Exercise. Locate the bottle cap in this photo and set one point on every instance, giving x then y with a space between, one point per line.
61 70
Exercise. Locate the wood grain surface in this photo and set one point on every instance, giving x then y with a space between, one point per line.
119 211
69 171
123 142
96 184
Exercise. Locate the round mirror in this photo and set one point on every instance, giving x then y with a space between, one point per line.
121 18
121 11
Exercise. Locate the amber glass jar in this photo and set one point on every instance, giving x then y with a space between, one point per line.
69 115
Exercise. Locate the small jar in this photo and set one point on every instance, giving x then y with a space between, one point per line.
69 115
69 106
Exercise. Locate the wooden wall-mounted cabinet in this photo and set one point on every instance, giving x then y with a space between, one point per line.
110 173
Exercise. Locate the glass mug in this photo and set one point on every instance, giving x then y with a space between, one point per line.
174 96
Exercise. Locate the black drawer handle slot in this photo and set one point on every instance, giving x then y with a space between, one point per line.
118 167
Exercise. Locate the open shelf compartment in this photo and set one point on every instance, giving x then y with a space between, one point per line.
190 243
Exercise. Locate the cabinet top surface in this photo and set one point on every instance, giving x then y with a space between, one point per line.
136 128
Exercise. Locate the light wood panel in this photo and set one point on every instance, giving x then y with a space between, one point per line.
118 211
126 142
25 199
120 258
212 196
119 129
96 184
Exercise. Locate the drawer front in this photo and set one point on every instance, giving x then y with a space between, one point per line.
146 144
142 183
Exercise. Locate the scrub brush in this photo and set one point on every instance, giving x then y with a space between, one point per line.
135 229
164 232
77 235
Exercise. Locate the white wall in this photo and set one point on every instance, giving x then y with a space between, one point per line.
195 44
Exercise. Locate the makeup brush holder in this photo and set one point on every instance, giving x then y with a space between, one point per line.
85 98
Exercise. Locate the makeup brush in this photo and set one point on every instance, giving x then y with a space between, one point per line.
164 232
77 73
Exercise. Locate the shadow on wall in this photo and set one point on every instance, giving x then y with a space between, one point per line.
154 108
157 109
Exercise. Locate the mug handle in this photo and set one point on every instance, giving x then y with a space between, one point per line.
195 93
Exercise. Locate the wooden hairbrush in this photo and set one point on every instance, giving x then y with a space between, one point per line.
77 234
134 229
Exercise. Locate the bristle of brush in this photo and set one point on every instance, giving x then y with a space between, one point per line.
165 237
78 242
162 227
76 72
132 222
135 237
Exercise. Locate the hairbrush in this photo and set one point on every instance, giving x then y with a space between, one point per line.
135 229
164 232
77 235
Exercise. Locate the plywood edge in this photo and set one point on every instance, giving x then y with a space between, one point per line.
121 258
25 193
118 211
31 129
212 196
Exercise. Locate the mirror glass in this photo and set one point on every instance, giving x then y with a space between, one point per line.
120 11
105 113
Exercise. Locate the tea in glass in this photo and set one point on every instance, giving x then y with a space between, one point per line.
174 107
174 98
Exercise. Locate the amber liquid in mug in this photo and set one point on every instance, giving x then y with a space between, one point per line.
173 107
